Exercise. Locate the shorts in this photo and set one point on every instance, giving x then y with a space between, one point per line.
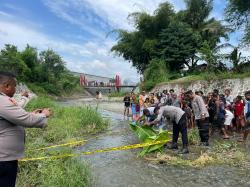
133 108
219 123
228 120
239 117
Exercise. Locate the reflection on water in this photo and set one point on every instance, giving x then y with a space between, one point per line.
124 168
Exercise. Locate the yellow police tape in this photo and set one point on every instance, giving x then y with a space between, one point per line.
60 145
127 147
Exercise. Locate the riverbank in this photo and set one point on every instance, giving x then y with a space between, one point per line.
124 168
220 153
66 125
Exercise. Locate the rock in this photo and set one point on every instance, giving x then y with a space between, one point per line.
153 166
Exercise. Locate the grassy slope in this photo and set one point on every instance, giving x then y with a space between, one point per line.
207 76
67 124
118 94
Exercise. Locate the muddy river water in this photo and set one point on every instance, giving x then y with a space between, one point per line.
125 169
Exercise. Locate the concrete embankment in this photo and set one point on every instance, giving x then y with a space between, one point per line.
237 86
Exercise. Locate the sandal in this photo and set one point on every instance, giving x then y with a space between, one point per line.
241 140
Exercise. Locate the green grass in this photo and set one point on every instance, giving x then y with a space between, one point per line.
41 91
208 76
193 136
117 94
66 124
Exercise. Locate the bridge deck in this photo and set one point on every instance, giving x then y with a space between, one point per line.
130 86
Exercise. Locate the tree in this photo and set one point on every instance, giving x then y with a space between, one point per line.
238 15
52 63
213 58
237 60
178 45
213 31
209 56
10 60
156 72
131 47
30 57
197 12
210 30
139 47
235 57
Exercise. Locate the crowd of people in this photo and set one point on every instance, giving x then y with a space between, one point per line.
213 112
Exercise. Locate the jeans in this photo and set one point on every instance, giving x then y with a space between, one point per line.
8 172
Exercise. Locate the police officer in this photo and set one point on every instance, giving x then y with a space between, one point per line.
201 116
13 120
178 117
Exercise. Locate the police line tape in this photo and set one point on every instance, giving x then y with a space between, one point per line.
60 145
127 147
72 143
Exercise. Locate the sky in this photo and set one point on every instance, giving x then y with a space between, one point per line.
79 30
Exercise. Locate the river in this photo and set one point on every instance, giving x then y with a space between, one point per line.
125 169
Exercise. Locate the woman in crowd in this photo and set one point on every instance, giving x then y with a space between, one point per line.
134 106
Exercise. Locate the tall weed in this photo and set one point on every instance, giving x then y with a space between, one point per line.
66 124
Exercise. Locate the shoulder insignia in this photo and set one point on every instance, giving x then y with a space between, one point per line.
13 101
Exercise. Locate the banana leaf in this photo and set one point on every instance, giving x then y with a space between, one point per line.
148 135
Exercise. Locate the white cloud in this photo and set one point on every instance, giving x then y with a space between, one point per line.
117 11
4 14
105 13
71 12
91 57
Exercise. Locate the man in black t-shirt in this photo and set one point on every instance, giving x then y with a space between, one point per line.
126 101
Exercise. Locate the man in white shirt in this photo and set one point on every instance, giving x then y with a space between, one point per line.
229 98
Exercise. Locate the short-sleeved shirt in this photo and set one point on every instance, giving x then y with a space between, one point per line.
126 101
239 108
151 110
172 112
229 99
199 107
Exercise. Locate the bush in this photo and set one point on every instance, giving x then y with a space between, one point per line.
193 136
149 85
155 73
37 89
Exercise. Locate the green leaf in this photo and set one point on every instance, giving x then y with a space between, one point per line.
148 135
